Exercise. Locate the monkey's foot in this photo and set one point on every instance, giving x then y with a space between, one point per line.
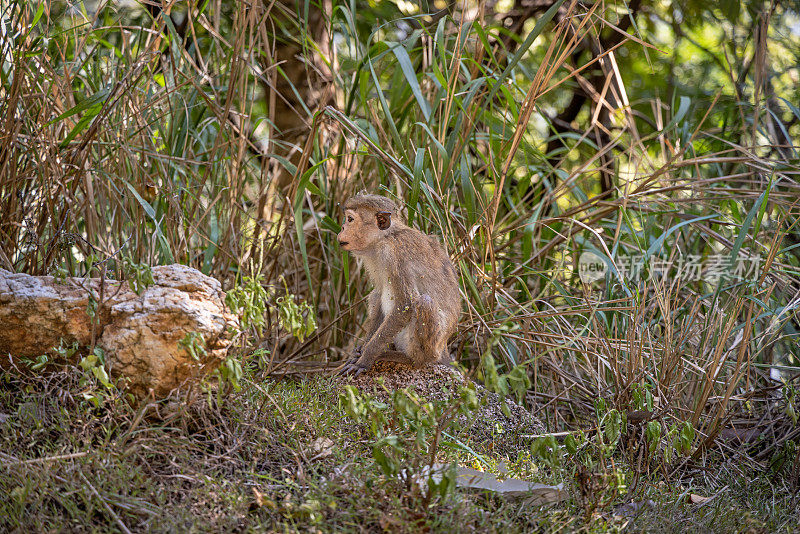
351 368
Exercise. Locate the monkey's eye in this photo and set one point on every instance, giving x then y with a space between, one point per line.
350 218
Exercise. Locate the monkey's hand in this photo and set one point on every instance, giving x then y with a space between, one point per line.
354 367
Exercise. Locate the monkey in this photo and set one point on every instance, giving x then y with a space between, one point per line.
415 303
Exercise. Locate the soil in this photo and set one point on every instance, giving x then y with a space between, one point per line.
440 383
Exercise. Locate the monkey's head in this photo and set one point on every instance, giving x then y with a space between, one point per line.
366 218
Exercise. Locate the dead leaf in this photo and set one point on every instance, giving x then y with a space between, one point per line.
258 499
510 487
698 499
537 494
502 468
321 448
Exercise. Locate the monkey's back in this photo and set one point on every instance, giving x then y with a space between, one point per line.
429 269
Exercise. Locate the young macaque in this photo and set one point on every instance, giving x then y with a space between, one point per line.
415 302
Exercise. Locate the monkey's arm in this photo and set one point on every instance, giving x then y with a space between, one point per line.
385 334
374 315
379 342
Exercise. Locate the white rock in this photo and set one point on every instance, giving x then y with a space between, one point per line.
139 333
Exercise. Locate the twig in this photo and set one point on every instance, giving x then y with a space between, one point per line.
107 507
47 459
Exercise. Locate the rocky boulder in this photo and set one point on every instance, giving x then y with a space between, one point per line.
140 334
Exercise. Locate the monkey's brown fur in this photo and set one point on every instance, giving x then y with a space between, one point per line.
415 303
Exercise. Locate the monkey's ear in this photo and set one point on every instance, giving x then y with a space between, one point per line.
384 219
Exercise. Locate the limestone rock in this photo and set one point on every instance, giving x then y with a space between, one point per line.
139 333
36 312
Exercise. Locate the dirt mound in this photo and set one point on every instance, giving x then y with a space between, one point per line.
441 382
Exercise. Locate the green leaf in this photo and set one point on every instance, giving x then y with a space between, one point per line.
758 206
36 16
683 107
148 209
792 107
328 223
411 77
653 435
81 125
660 241
435 141
96 99
731 9
537 29
385 106
301 240
100 373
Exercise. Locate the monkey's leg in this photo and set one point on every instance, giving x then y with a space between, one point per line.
445 358
424 337
424 347
396 356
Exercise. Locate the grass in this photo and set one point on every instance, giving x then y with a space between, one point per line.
249 464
